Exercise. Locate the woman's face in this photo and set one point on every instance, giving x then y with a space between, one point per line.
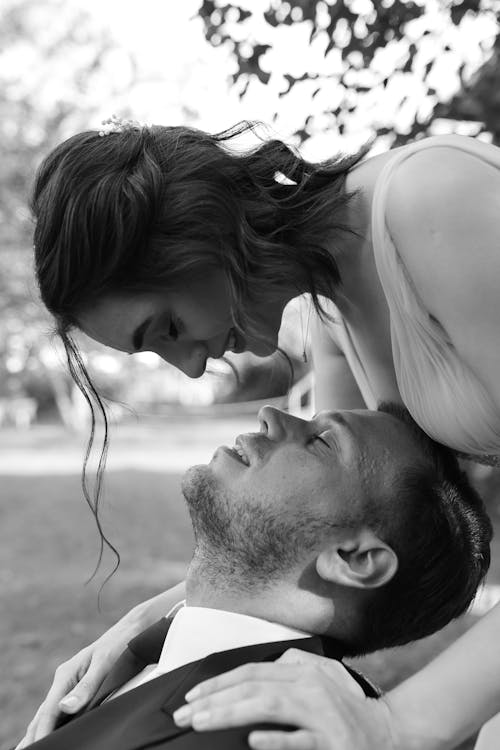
184 327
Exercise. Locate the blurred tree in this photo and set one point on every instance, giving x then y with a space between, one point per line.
53 59
388 68
479 98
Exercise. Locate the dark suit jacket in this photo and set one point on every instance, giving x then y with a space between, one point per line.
142 718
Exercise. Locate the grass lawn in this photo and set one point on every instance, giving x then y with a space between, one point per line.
49 548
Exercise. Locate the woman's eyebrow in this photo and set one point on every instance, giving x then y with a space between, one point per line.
138 335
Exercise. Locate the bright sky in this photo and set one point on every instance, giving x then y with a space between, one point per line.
184 79
183 76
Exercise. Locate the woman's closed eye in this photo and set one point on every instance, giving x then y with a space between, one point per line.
168 330
173 330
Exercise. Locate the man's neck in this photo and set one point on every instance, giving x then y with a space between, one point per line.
282 605
221 597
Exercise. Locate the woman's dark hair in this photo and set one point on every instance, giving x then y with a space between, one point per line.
146 208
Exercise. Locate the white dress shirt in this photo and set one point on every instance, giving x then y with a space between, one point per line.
197 632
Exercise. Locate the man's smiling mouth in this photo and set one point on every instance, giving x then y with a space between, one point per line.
241 453
237 452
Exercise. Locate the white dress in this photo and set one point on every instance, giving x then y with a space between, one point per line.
439 389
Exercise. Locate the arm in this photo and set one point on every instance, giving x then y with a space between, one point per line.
148 612
452 696
335 386
77 680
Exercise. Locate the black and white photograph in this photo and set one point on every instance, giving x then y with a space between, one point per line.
250 374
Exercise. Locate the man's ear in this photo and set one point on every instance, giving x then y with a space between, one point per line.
361 560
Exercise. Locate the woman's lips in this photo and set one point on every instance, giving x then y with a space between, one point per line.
235 342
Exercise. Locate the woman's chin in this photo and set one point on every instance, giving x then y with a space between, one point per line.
262 348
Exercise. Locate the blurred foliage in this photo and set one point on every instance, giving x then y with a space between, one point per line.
52 56
389 69
58 67
47 69
479 98
392 66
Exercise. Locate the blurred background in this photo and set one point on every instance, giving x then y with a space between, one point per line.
325 76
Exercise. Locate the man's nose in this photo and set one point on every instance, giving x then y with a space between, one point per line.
278 425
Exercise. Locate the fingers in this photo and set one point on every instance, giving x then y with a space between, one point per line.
300 740
24 742
237 707
45 718
300 689
77 680
244 674
288 668
30 731
334 670
84 690
64 695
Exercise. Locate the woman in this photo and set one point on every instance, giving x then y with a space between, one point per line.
166 239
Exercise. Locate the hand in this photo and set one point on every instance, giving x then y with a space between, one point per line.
316 694
77 680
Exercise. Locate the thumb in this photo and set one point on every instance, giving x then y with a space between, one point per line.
82 692
72 702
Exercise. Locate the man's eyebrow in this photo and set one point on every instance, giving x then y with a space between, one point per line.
138 335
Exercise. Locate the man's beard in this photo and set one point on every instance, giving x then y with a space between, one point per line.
247 544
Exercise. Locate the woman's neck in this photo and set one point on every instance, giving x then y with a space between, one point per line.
349 246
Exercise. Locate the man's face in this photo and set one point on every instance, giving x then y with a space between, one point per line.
278 493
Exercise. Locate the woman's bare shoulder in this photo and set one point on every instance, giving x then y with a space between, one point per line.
443 214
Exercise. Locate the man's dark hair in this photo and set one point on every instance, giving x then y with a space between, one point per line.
441 534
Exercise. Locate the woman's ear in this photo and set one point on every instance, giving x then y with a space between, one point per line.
361 560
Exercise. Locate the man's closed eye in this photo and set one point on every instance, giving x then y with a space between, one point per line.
321 439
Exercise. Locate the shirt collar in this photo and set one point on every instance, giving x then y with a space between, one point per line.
197 632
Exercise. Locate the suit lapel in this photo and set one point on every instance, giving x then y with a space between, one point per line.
132 721
143 717
146 717
146 649
143 650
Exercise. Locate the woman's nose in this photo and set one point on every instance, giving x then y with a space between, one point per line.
191 359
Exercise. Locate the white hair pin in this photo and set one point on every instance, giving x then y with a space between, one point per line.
115 124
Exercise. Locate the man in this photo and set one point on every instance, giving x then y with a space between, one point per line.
343 534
